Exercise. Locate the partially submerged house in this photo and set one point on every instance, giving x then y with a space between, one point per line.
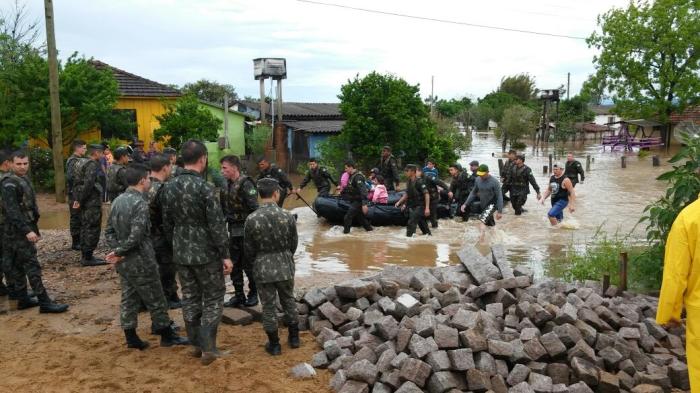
604 116
308 124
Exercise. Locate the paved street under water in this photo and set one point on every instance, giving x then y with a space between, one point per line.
611 199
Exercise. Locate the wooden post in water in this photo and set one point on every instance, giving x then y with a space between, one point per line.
623 271
588 162
655 161
623 160
550 162
606 282
544 169
500 166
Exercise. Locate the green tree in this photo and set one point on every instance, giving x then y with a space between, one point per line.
572 111
186 119
684 186
521 86
649 56
454 108
211 91
386 110
518 121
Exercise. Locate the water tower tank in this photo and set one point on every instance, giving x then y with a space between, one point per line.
275 68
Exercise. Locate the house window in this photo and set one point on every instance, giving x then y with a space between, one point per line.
611 119
119 124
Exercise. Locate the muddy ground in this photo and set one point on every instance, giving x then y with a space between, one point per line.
83 350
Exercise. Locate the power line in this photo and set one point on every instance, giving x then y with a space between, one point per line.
453 22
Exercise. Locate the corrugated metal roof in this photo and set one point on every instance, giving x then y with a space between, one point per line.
131 85
304 110
316 126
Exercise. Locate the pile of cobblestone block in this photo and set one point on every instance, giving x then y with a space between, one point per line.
483 327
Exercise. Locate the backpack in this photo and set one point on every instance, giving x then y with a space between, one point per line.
114 186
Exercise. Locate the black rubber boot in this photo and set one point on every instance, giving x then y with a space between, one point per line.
168 337
133 340
208 342
90 260
75 246
193 334
25 302
294 336
48 306
173 326
252 300
3 290
273 346
346 230
238 299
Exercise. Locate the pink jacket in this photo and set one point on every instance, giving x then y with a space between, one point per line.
344 179
380 194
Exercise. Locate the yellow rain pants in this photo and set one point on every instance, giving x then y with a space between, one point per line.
681 284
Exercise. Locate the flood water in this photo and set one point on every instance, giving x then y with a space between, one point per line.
611 199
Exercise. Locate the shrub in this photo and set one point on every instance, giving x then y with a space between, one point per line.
41 166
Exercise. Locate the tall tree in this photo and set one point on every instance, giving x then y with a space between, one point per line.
521 86
518 121
186 119
649 56
454 108
211 91
386 110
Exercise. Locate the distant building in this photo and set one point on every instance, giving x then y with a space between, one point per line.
604 115
236 127
308 124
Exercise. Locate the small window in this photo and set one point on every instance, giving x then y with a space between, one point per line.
120 124
611 119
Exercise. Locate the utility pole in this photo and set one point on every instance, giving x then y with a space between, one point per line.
568 84
432 96
56 135
227 143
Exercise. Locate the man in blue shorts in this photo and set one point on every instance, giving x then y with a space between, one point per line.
562 191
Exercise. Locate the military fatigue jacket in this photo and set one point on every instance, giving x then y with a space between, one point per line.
71 164
389 169
415 192
276 173
520 179
239 198
572 170
193 220
321 178
270 242
88 189
155 205
507 172
356 190
433 182
128 232
21 213
460 186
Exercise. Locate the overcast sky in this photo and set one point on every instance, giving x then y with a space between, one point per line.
180 41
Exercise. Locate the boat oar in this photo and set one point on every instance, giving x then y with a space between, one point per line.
307 203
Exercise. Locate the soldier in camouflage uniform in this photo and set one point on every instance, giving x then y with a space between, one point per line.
75 160
432 182
322 179
270 171
388 167
20 234
116 182
507 174
239 198
193 219
160 172
175 169
459 185
270 241
128 235
417 199
355 193
88 199
520 182
5 161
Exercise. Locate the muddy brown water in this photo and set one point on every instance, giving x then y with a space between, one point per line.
611 199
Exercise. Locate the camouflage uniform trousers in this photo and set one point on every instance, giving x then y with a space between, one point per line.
268 297
240 264
142 285
434 210
90 225
4 272
19 257
416 218
74 223
167 272
203 290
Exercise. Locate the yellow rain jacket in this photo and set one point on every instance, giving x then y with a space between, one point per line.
681 284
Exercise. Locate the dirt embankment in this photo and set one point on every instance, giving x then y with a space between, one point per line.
83 350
